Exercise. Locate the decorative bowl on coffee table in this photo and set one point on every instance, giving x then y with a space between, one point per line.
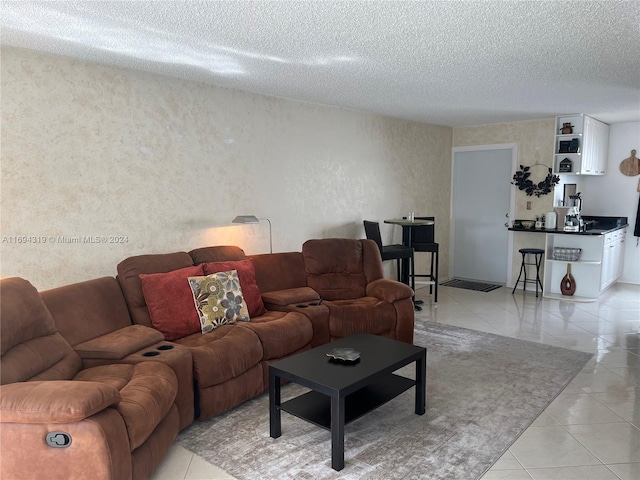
344 355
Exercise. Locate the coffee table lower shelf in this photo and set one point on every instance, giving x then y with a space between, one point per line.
315 407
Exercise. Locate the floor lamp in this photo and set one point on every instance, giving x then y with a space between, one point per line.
249 219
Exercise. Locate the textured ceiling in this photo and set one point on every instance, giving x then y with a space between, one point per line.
443 62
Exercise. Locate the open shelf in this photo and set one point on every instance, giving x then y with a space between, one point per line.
586 271
585 147
572 298
583 262
316 407
569 135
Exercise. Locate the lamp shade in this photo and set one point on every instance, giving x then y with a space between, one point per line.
245 219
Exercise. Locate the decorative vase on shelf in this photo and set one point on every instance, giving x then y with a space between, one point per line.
568 283
567 128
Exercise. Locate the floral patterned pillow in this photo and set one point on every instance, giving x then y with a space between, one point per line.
218 299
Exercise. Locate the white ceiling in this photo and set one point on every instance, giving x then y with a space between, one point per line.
444 62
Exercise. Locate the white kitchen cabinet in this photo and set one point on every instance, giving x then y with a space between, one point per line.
585 147
608 260
599 266
618 256
612 258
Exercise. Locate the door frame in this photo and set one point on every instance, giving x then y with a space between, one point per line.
512 201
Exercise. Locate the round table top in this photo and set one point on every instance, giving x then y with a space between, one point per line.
405 222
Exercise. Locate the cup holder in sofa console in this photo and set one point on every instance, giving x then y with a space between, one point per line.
310 304
165 347
150 354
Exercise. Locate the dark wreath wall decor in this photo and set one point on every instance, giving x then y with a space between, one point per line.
523 182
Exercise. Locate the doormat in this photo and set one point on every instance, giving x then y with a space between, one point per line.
467 285
483 391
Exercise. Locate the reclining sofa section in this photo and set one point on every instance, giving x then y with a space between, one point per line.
230 364
62 420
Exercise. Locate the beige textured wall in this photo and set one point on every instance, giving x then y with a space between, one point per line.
158 164
535 144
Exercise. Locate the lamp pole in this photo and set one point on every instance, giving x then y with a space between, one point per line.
270 240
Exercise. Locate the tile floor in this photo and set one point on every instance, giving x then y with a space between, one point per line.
590 431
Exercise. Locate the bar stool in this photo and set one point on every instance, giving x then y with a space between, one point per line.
423 240
390 252
538 252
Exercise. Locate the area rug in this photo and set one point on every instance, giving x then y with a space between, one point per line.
483 391
468 285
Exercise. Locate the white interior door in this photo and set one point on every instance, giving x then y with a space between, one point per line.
481 199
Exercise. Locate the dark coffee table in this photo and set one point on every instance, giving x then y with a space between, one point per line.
341 393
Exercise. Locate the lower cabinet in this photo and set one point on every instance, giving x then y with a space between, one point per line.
612 259
598 267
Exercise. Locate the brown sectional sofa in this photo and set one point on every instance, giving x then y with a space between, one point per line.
103 328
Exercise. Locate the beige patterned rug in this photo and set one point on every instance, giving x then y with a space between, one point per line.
483 391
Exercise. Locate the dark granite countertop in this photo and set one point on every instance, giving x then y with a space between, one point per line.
600 226
593 231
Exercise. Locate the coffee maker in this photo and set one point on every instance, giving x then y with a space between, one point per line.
573 219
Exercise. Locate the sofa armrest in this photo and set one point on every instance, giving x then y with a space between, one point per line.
118 344
55 401
389 290
290 296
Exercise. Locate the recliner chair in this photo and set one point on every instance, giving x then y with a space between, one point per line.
348 276
59 420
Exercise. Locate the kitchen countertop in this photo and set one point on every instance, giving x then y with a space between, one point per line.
593 231
604 225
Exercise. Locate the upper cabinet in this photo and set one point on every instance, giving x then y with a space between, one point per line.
581 144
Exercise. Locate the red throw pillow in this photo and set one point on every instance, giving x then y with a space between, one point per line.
170 302
247 275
